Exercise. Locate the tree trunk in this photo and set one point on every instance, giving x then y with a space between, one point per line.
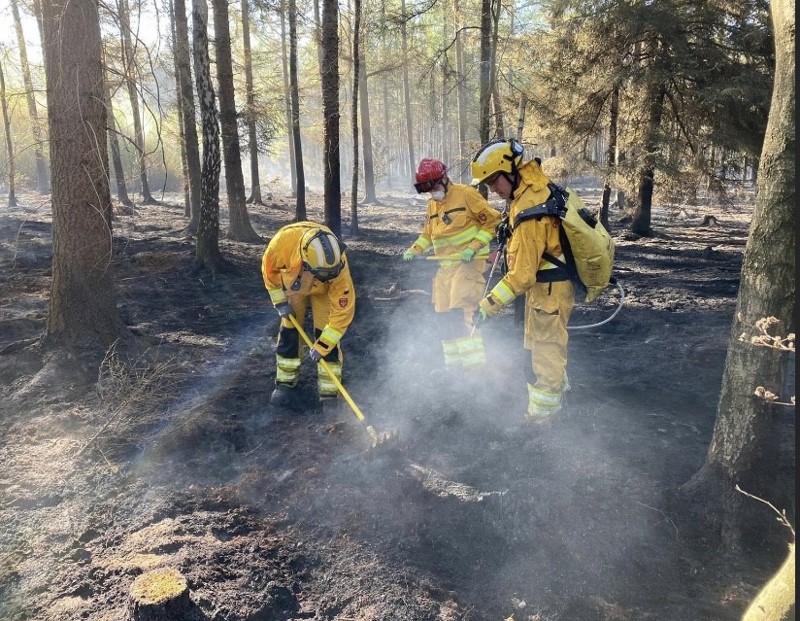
129 64
461 97
113 140
354 115
330 114
12 196
287 94
83 310
300 209
207 252
187 197
42 171
188 115
407 92
250 114
370 196
239 227
641 217
486 69
497 104
611 156
746 441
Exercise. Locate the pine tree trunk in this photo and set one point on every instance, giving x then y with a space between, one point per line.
188 115
300 208
407 93
83 311
129 64
370 196
354 115
461 97
641 217
287 97
116 160
611 156
250 115
486 70
745 446
12 195
330 113
42 170
239 227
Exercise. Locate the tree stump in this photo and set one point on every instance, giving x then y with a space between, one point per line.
159 595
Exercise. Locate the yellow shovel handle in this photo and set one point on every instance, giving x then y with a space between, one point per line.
329 371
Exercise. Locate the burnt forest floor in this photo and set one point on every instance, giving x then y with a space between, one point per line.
173 457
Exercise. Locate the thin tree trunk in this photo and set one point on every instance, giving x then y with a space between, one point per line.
239 228
461 96
12 195
42 170
187 197
188 115
129 65
83 310
611 157
287 96
354 115
407 92
370 195
486 69
497 104
250 114
300 209
116 160
207 251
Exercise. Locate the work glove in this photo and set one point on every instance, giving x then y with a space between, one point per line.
409 255
488 307
284 310
467 254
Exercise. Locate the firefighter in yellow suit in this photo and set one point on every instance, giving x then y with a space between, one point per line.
459 224
305 262
549 293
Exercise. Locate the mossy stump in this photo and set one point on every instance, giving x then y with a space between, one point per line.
158 595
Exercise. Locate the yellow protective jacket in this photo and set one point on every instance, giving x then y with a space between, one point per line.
282 270
530 239
464 219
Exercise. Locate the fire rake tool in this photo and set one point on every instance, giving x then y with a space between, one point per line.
374 437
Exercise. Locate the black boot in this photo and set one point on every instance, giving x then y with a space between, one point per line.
281 396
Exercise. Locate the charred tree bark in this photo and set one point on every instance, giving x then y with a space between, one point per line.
641 217
83 311
240 228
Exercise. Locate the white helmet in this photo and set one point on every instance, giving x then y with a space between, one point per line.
322 254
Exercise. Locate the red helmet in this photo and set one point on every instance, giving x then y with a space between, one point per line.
429 173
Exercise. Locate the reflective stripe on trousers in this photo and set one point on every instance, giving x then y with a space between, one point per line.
325 385
471 351
287 370
542 403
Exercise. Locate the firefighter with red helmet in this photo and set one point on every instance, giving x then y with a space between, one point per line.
306 263
549 293
459 225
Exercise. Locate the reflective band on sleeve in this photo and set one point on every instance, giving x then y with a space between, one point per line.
484 237
330 336
423 243
503 293
277 296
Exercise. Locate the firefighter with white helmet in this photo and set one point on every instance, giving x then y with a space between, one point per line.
305 263
548 290
459 224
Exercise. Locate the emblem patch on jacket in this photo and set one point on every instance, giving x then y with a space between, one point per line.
343 302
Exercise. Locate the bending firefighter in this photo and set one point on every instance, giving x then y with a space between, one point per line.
549 293
459 225
303 263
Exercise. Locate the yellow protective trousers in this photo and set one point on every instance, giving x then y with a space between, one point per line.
459 285
547 310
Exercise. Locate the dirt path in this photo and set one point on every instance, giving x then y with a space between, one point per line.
283 515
